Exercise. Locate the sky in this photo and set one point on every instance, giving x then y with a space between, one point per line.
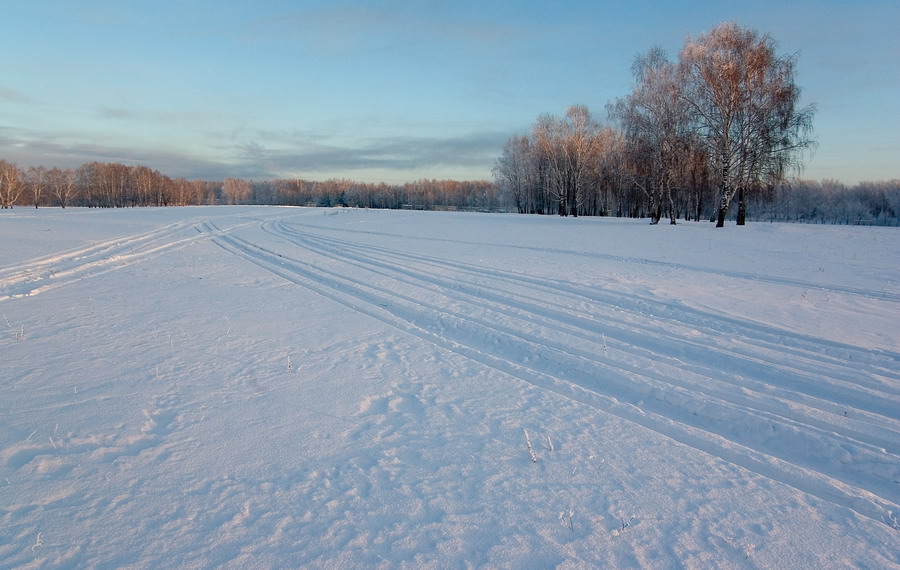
395 91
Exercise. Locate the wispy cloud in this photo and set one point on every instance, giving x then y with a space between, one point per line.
31 149
416 157
13 96
349 28
178 119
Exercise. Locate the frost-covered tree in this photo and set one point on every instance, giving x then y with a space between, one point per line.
658 137
744 105
565 166
516 172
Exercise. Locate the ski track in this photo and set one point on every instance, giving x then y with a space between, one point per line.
631 356
43 274
880 294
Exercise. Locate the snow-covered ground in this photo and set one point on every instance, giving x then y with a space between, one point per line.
282 387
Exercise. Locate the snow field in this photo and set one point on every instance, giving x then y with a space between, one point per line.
274 387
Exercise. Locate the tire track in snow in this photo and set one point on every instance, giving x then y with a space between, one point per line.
845 468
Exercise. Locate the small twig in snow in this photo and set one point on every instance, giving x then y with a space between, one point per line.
39 542
530 447
565 517
893 521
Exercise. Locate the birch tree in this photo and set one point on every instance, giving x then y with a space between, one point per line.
581 156
657 132
517 172
36 177
62 185
744 105
11 184
236 190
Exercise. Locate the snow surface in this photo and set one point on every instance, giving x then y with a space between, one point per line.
287 387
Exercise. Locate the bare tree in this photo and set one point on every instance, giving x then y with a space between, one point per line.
608 180
11 184
181 192
657 132
581 155
236 190
516 171
744 105
36 181
566 154
546 135
62 185
567 164
105 185
145 183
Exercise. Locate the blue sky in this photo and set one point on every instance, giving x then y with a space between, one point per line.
395 91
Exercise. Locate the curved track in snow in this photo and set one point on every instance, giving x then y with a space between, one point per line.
817 415
45 273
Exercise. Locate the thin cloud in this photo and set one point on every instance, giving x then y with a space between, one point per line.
348 28
34 149
177 119
13 96
416 156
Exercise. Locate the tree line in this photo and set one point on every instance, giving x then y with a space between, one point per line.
99 185
115 185
828 202
108 185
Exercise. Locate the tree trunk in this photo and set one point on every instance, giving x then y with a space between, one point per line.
720 220
723 211
742 208
725 198
655 209
672 213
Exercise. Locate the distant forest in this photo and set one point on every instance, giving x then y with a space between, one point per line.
719 126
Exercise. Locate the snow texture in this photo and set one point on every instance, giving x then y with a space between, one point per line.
287 387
